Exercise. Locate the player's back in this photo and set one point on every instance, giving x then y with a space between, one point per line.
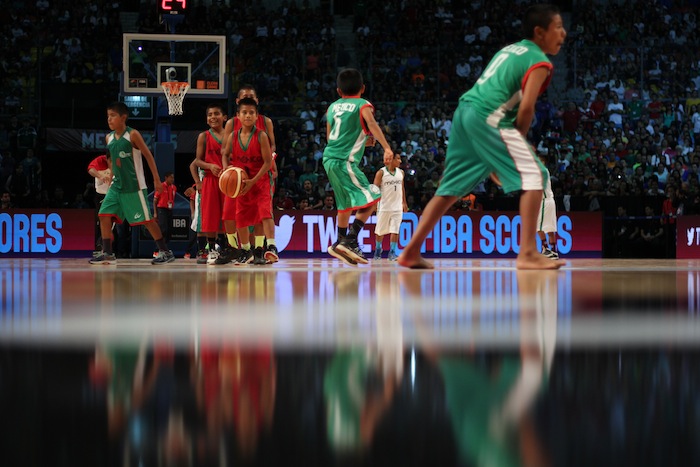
348 131
496 95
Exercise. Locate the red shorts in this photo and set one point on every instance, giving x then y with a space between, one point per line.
255 205
230 207
212 204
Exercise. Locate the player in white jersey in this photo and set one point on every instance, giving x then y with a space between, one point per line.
393 204
547 223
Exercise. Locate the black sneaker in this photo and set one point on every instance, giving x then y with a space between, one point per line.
202 257
164 256
103 258
226 256
259 256
245 257
271 255
350 247
333 251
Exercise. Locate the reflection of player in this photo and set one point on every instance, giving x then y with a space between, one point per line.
489 136
547 223
389 179
360 385
488 404
237 389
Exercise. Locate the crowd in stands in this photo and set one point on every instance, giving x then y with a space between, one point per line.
620 121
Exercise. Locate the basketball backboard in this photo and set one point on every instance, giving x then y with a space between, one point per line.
151 59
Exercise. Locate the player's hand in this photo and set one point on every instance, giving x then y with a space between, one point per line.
247 185
215 170
159 187
199 186
388 156
371 141
494 178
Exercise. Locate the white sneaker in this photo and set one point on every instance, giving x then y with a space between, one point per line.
212 257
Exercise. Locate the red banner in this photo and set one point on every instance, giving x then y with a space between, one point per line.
688 237
46 232
481 233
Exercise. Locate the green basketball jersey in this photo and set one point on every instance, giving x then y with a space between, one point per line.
497 93
127 163
346 140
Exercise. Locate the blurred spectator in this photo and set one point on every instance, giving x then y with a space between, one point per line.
18 186
6 201
32 170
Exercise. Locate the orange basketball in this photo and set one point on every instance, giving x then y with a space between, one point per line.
230 181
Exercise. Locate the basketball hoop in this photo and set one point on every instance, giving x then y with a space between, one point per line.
175 93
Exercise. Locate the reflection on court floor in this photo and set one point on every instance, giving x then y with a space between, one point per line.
319 302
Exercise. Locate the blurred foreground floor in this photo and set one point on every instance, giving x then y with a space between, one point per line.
310 362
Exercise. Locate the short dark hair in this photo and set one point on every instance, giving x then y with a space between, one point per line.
216 105
247 86
248 101
538 15
350 82
119 107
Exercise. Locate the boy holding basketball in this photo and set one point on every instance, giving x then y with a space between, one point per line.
262 123
350 123
251 152
126 197
489 130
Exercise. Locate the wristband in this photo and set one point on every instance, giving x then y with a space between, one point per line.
274 156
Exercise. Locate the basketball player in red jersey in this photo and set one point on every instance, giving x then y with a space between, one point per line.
208 158
250 150
262 123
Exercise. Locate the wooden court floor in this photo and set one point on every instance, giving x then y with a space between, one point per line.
321 302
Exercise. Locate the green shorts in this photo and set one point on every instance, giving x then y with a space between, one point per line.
351 188
476 149
131 207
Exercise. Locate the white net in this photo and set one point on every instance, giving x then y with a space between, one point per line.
175 94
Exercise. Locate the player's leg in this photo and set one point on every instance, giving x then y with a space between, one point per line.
393 245
464 169
378 239
349 245
529 257
109 209
359 195
513 160
434 210
342 225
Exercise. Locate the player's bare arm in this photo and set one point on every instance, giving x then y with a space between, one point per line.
378 177
138 142
227 144
200 154
195 175
377 133
526 111
267 163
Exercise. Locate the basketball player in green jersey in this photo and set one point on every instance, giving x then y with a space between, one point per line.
488 136
126 197
350 122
